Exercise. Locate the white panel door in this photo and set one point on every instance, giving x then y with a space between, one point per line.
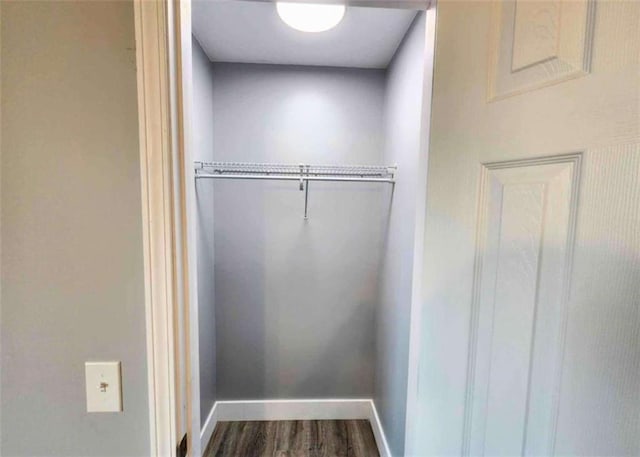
531 322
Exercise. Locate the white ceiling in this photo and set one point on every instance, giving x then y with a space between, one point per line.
252 32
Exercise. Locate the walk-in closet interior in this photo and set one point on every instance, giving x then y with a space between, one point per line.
309 156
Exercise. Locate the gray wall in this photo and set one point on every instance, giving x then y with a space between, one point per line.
403 117
72 269
202 130
296 299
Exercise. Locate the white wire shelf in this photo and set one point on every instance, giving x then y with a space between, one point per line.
243 170
303 173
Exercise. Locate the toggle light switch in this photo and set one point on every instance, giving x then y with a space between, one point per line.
104 391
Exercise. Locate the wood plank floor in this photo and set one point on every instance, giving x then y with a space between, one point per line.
322 438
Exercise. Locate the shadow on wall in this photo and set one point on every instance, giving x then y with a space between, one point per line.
311 313
206 296
331 310
239 228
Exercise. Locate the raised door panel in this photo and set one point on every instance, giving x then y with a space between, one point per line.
538 43
525 238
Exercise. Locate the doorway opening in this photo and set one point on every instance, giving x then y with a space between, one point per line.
305 171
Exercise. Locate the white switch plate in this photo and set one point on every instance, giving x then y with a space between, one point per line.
104 391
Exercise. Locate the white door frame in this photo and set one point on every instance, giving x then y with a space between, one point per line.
163 57
157 220
417 296
163 219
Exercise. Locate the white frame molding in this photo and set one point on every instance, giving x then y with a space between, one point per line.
417 297
163 95
156 155
185 202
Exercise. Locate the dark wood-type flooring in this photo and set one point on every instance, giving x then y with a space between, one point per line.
322 438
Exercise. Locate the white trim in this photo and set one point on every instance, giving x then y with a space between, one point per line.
208 428
378 432
311 409
273 410
185 235
154 112
180 291
417 299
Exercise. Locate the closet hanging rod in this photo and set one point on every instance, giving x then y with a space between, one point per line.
237 170
302 173
294 178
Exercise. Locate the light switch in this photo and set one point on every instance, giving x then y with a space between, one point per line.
104 391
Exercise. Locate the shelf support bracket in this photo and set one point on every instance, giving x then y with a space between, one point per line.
306 190
306 200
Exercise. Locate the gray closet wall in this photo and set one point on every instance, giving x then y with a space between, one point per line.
403 130
295 299
202 132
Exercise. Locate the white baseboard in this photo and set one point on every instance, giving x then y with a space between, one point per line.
273 410
378 431
208 428
295 410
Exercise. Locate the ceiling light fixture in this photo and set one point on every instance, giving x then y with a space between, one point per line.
310 17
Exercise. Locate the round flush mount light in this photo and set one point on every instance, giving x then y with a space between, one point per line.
310 17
